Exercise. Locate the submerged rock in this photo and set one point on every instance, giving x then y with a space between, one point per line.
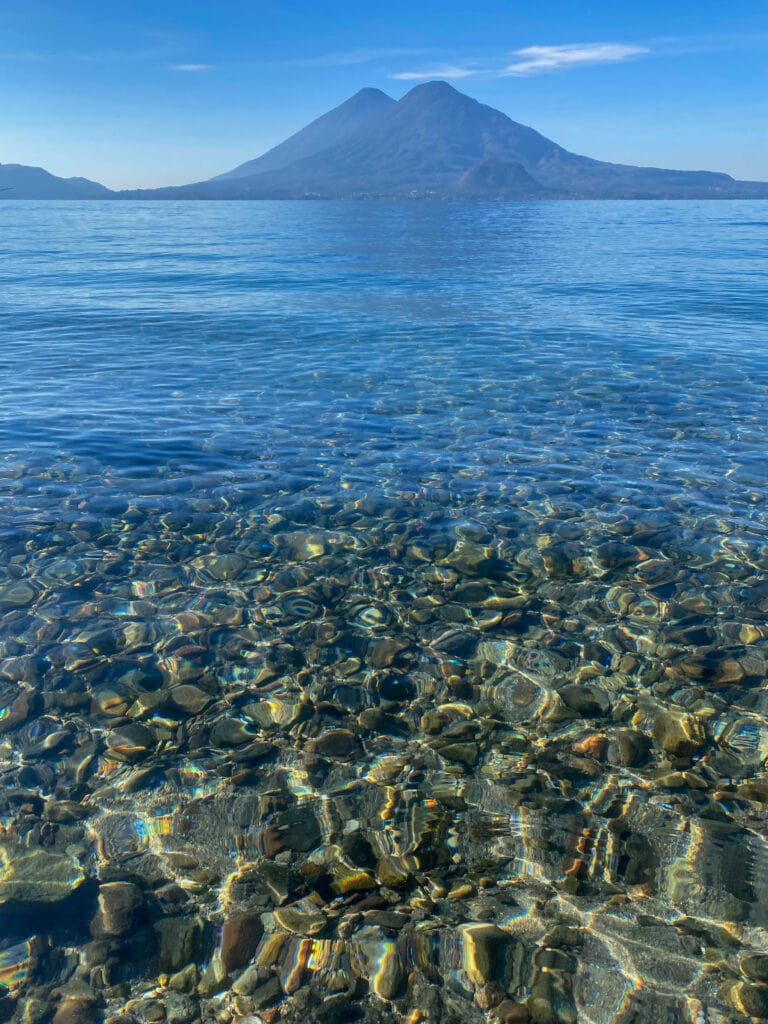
240 936
35 877
678 733
120 908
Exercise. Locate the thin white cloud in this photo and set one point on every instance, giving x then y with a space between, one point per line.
22 55
346 58
191 67
537 60
451 71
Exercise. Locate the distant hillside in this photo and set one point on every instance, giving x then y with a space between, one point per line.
434 143
438 143
20 182
332 129
499 179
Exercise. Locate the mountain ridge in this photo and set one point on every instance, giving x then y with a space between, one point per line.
37 183
435 142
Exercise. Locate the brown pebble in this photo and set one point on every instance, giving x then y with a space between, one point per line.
239 938
339 743
75 1010
511 1013
120 904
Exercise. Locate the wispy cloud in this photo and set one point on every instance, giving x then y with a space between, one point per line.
532 60
537 60
191 67
346 58
21 55
451 71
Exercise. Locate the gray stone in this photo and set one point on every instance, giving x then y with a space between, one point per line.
585 699
130 742
190 699
36 876
628 748
461 753
755 967
338 743
180 941
180 1008
678 733
267 993
751 999
249 981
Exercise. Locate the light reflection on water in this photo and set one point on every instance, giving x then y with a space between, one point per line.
385 546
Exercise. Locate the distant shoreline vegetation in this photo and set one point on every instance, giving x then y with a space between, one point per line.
433 144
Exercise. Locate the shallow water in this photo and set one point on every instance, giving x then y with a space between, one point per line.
414 553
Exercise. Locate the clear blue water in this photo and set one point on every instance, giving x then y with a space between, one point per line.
230 429
611 349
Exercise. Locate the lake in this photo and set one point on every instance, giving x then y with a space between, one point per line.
384 611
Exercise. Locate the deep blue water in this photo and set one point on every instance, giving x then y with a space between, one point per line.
613 349
433 506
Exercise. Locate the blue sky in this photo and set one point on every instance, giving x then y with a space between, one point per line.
152 93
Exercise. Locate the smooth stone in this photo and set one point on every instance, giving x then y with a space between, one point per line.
278 880
298 830
190 699
729 672
184 980
35 876
755 967
76 1010
267 993
230 732
482 950
225 567
381 653
17 712
352 881
391 873
180 941
375 720
751 999
151 1011
180 1008
33 1011
628 748
585 699
338 743
300 922
130 742
213 980
614 554
16 595
755 790
592 746
461 753
251 978
678 733
254 752
240 937
397 689
508 1012
389 979
64 812
384 966
385 919
119 906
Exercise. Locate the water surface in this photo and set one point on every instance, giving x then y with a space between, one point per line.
414 553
